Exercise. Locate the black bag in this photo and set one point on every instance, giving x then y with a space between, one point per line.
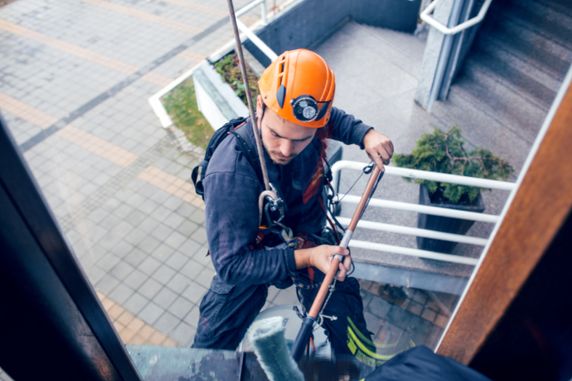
420 363
231 127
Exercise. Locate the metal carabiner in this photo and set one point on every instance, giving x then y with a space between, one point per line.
271 206
368 168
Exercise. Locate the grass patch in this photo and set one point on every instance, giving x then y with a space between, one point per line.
181 105
181 102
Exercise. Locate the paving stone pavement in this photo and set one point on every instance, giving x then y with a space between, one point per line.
76 77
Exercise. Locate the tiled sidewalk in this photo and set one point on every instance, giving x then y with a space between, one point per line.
76 79
75 83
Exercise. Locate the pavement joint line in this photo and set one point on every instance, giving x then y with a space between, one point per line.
88 55
172 185
120 180
145 16
157 79
118 87
109 188
26 112
131 329
192 56
68 48
203 8
98 146
85 140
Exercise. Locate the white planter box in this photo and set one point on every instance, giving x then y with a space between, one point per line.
215 98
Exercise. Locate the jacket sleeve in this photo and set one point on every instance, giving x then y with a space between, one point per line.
346 128
232 225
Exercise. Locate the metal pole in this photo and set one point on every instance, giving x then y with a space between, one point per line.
308 323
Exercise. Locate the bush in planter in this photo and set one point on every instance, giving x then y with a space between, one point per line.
445 152
229 68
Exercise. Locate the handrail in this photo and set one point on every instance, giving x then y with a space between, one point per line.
251 5
427 175
426 16
432 210
425 209
414 252
426 233
257 41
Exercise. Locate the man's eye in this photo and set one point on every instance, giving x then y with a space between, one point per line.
274 134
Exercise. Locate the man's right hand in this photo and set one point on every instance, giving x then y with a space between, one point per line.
321 257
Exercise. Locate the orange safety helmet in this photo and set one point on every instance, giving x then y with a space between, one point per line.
299 86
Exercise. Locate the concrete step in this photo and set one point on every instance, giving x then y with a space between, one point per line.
535 66
562 7
492 68
502 102
550 19
532 39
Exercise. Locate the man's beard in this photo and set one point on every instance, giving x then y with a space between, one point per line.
277 158
280 160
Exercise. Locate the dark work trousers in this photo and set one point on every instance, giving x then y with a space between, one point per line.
226 311
345 303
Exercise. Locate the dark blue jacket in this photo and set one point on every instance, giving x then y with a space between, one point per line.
231 196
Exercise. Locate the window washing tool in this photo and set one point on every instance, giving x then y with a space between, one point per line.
319 302
267 338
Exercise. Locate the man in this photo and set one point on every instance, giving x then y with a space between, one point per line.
294 116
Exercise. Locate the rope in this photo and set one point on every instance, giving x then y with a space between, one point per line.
255 122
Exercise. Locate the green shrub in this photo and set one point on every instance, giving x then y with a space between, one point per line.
229 68
445 152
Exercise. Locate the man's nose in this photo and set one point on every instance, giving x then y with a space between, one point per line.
286 147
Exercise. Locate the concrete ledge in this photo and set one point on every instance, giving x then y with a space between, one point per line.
163 363
215 98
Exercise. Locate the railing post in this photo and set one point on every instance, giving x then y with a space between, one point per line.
264 11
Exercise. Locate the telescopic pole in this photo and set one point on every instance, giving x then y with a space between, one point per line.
305 331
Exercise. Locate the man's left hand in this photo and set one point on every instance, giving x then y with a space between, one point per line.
378 147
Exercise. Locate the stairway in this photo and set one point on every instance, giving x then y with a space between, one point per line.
511 75
499 99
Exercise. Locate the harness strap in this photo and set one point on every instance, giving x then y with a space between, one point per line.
249 153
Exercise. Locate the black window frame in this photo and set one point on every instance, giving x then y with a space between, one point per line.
52 322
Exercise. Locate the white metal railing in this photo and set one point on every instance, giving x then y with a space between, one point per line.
248 31
256 41
405 206
252 5
426 16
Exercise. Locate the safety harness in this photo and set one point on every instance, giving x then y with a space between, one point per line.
271 207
